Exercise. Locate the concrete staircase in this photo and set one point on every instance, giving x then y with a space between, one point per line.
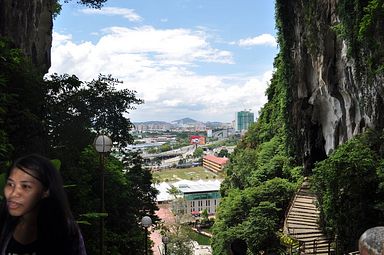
301 223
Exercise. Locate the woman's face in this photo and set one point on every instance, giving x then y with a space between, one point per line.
23 193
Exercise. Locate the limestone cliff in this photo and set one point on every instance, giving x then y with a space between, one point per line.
333 95
28 23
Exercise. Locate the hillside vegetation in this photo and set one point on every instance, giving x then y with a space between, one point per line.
266 167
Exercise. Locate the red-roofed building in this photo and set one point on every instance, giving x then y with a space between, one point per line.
213 163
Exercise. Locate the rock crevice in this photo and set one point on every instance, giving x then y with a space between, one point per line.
330 103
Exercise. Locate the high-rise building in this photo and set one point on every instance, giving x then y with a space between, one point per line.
243 120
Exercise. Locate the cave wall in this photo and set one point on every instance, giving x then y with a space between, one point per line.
330 103
28 23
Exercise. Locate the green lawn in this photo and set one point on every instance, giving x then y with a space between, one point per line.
199 238
193 173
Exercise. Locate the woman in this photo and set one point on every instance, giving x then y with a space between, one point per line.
35 217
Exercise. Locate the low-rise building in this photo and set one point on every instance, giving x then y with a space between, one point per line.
214 164
200 195
194 196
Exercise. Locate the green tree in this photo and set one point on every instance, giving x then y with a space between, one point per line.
90 3
165 147
204 216
95 106
7 62
199 152
346 185
179 241
123 233
223 153
75 112
252 214
21 104
174 191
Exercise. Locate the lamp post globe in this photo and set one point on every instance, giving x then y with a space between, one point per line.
165 240
146 222
103 144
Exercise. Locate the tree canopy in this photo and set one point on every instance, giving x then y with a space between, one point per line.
261 178
90 3
349 187
59 117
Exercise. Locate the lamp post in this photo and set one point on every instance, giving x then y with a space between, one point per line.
146 221
165 240
103 145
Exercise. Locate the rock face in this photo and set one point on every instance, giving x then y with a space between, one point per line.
330 104
371 241
28 23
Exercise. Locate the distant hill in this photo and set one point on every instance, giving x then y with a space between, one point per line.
185 121
213 124
153 122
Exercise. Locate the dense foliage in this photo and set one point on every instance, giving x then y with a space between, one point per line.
362 25
263 173
349 185
179 241
90 3
21 103
60 117
129 196
261 178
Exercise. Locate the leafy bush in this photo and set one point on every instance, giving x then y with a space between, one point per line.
347 188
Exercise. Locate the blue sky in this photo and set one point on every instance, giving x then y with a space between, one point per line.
203 59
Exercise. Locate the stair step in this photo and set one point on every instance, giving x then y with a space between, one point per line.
305 204
304 213
309 246
300 228
322 252
306 199
297 215
305 193
302 219
309 240
305 210
302 222
298 234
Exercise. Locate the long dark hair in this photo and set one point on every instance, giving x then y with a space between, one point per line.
57 231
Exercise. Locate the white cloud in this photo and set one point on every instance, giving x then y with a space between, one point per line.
129 14
264 39
60 39
134 52
158 64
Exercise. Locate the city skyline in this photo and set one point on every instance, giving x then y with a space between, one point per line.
197 59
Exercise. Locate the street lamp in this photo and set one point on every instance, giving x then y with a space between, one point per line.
103 145
146 222
165 240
